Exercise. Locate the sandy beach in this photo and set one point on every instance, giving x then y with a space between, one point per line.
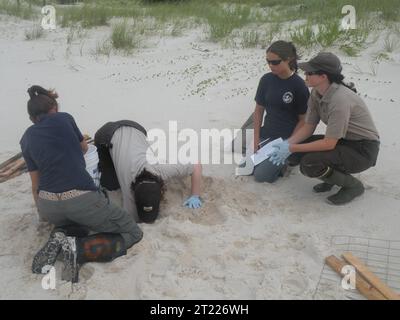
250 240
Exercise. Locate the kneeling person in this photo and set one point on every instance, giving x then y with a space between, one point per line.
123 150
65 194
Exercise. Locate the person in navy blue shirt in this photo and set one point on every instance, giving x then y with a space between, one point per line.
65 194
54 146
282 95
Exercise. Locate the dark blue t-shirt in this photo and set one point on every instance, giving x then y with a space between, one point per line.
52 147
284 100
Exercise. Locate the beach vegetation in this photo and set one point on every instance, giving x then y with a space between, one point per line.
34 33
125 36
311 24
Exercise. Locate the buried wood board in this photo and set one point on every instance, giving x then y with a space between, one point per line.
382 257
16 165
361 284
363 270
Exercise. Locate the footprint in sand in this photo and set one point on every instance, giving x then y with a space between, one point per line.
295 285
296 241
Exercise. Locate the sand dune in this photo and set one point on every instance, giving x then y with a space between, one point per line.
250 240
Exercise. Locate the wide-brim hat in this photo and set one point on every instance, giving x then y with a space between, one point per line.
323 61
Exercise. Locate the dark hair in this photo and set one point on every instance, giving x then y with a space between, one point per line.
148 189
338 78
285 50
41 101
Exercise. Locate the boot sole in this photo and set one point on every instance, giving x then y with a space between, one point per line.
71 266
343 203
71 270
46 256
323 191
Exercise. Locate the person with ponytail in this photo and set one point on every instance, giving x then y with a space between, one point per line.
282 96
65 194
351 141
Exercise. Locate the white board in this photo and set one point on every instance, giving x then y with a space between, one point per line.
265 151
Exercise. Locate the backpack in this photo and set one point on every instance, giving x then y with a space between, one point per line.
102 140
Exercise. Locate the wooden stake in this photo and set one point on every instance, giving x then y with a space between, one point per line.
17 165
362 285
9 161
16 174
370 277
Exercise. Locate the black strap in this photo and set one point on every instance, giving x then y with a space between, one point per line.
102 140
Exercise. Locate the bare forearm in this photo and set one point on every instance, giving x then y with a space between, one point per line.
299 124
196 179
257 124
258 113
302 133
84 146
35 185
35 195
319 145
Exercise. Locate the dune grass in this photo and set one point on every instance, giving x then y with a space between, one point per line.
87 15
329 34
249 23
126 37
34 33
21 9
103 48
222 18
251 38
391 43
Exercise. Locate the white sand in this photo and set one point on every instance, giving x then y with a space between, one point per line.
250 240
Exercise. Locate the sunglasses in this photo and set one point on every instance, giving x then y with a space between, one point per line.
311 73
274 62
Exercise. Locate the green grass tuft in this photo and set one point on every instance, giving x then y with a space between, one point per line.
35 33
21 10
125 37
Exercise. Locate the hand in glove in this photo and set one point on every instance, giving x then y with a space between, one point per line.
280 153
193 202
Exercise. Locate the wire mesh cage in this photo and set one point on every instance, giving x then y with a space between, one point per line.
382 257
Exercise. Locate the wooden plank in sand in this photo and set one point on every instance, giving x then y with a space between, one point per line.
366 289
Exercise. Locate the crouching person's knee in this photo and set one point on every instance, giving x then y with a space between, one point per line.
311 167
266 172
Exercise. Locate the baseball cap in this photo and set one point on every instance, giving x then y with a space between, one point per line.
147 198
323 61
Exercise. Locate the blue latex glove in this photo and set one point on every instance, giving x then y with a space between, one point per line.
280 153
193 202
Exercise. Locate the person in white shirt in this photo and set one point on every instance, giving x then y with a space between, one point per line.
123 152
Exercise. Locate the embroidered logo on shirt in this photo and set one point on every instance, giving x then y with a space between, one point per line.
287 97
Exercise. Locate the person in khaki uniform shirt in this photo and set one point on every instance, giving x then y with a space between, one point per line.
351 141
